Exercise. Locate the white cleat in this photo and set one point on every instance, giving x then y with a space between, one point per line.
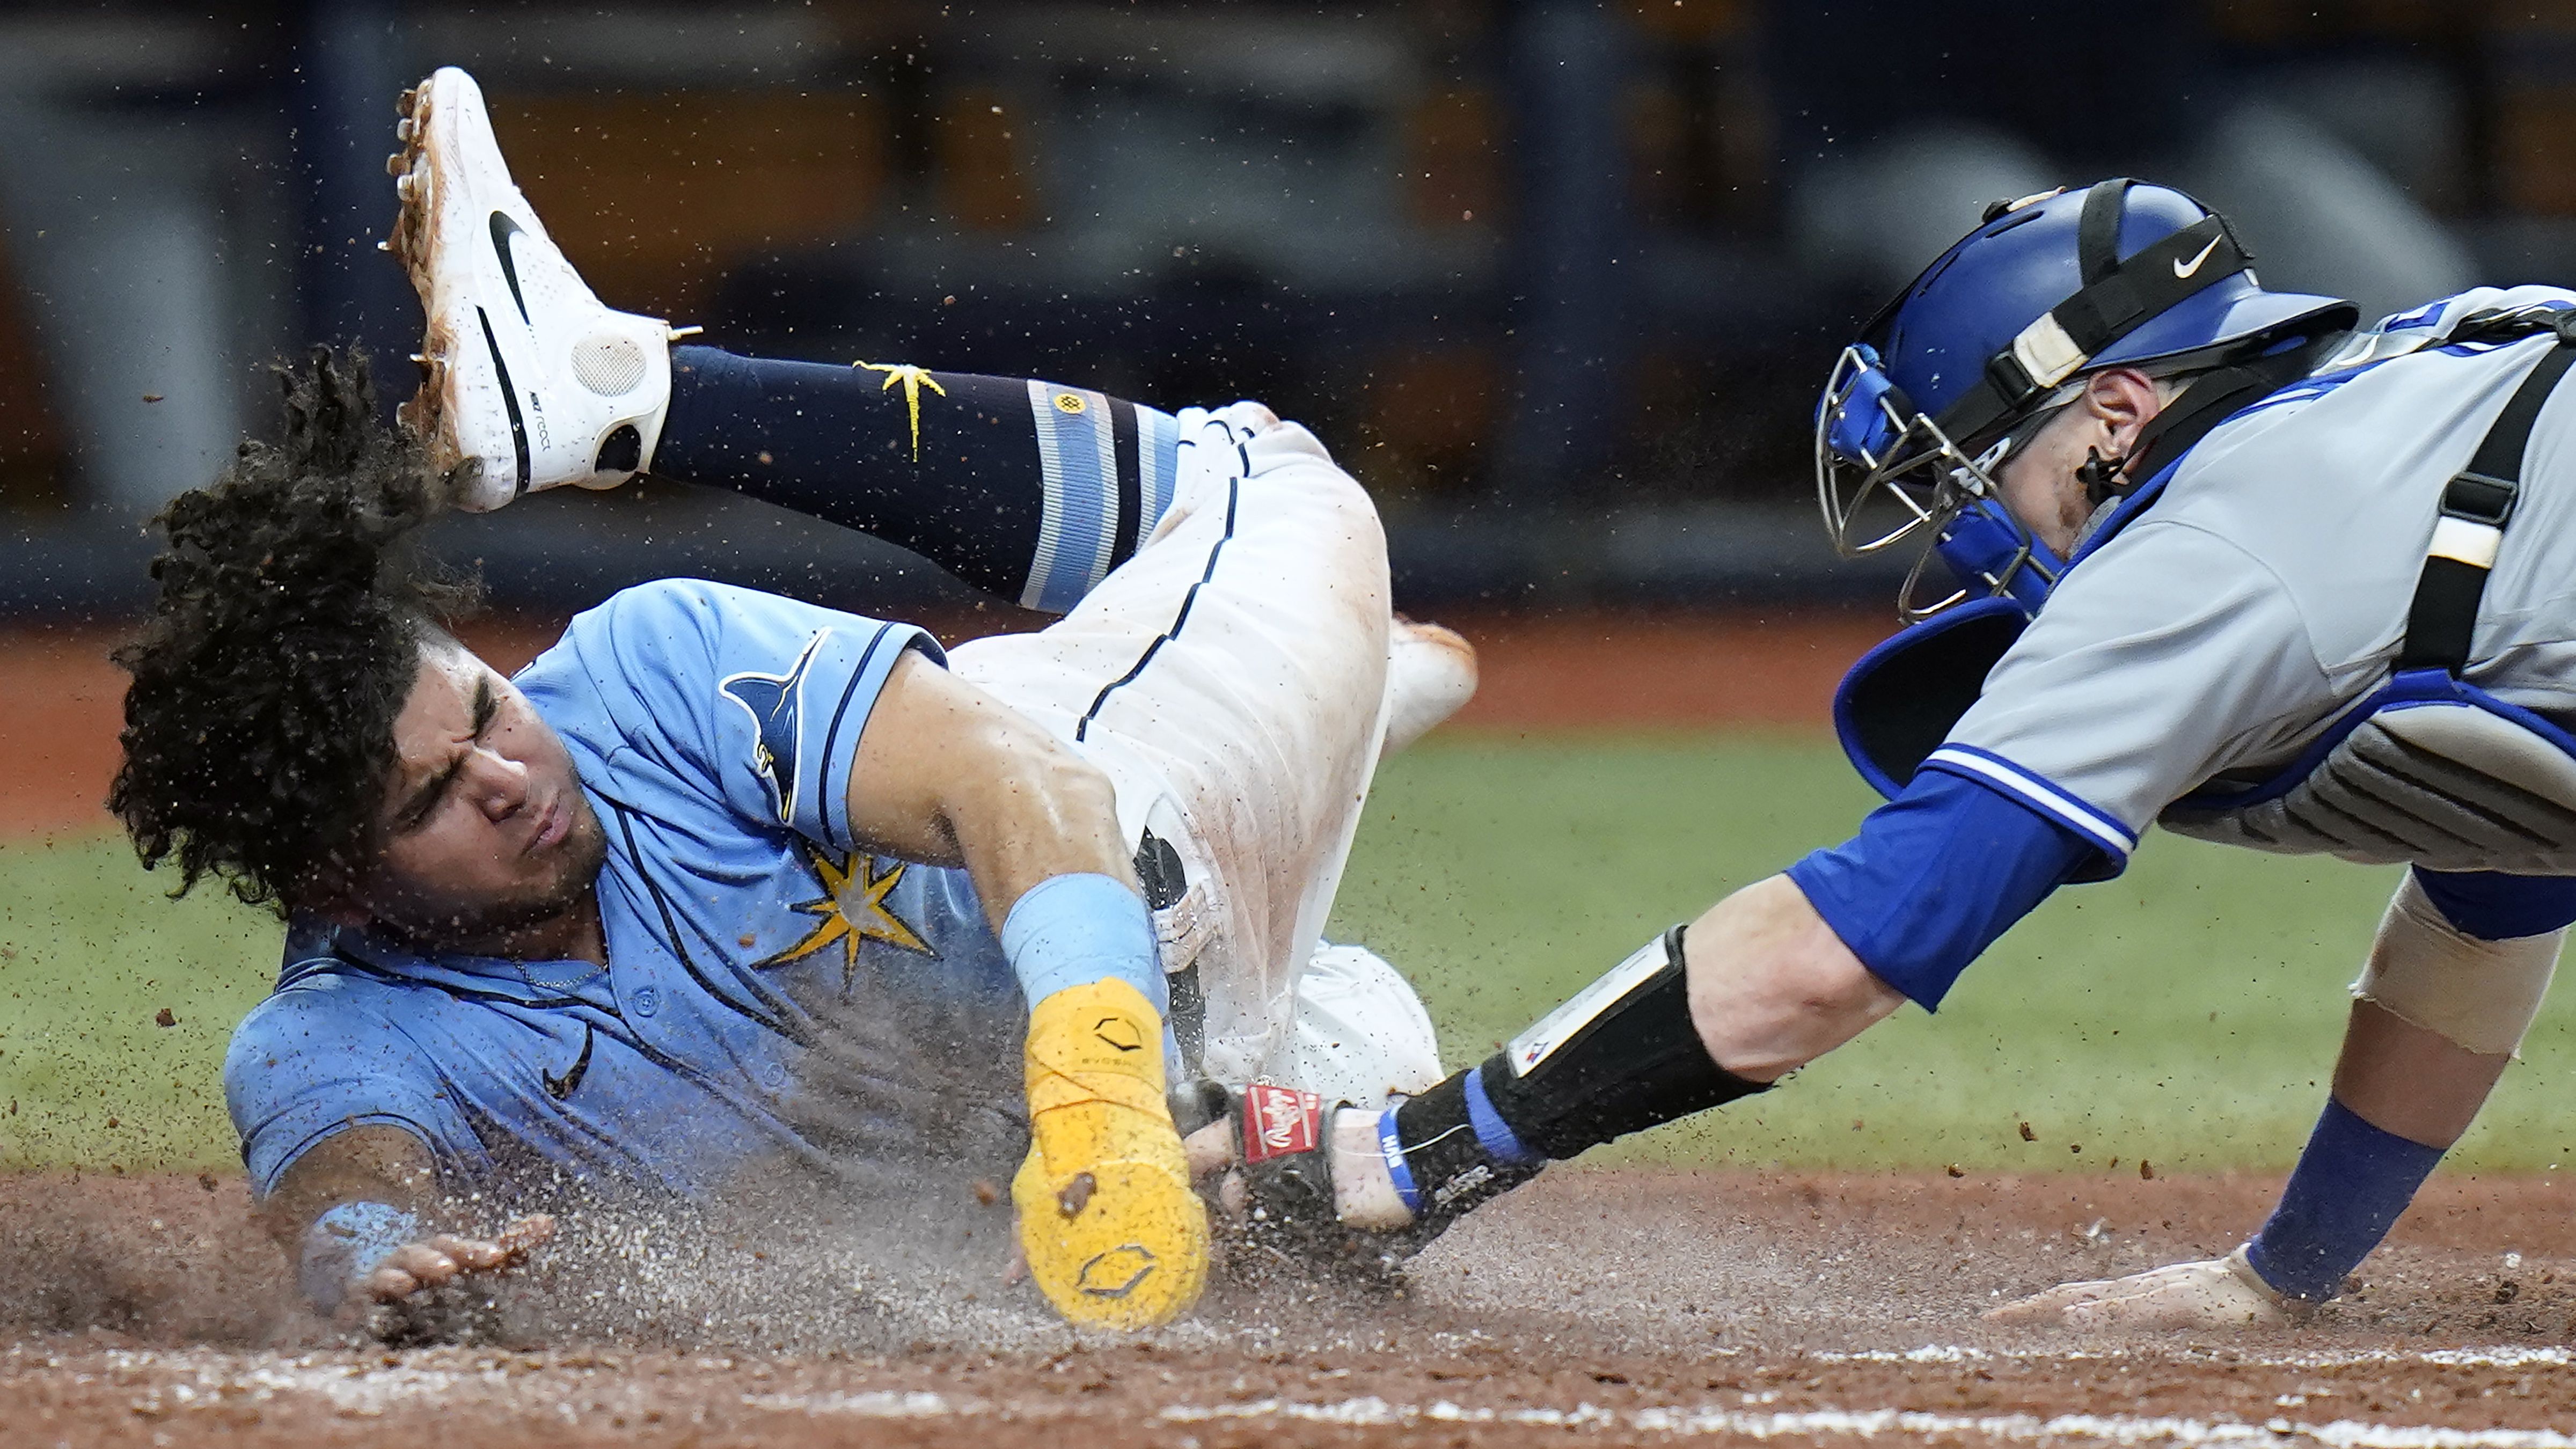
530 381
2216 1293
1430 675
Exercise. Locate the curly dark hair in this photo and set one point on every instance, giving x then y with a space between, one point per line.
293 607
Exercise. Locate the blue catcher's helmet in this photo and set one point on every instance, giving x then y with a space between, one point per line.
1959 369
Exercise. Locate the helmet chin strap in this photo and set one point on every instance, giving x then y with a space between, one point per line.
2101 477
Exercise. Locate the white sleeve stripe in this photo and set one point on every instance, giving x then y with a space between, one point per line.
2049 799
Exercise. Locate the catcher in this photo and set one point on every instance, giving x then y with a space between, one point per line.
2228 565
725 889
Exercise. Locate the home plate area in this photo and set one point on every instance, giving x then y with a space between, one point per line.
1596 1307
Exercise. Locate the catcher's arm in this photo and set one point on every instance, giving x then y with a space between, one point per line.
353 1215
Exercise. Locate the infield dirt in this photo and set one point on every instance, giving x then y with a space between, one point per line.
1605 1306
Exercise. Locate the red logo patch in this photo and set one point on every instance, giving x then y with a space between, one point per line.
1280 1121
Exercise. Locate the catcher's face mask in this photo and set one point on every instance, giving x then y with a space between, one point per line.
1887 473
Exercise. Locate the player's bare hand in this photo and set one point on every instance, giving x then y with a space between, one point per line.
2215 1293
442 1258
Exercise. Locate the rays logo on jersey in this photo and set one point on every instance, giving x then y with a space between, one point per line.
852 911
776 704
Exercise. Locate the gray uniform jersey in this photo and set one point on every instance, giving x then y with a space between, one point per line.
2267 590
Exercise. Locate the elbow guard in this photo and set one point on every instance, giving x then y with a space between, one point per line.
2479 994
1620 1057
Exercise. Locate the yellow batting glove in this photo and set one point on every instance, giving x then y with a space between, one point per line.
1114 1236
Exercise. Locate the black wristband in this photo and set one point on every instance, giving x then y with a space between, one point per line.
1620 1057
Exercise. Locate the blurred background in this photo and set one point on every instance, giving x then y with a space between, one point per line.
1557 279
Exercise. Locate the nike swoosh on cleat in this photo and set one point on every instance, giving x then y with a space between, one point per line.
503 228
510 396
2180 269
561 1087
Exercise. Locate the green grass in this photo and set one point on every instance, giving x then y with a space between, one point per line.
91 949
2186 1013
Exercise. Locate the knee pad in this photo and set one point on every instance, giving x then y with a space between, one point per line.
2481 995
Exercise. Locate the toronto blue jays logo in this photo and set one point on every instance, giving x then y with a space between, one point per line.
776 704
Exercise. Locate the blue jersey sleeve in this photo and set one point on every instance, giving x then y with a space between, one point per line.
1935 875
317 1059
750 699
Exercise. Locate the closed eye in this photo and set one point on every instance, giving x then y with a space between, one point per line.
424 801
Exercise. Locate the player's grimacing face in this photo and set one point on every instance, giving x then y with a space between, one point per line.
484 830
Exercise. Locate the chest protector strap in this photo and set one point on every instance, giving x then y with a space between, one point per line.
2428 769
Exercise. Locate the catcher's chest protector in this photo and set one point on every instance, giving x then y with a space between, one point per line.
2427 770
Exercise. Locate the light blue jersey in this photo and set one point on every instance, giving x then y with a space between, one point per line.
772 995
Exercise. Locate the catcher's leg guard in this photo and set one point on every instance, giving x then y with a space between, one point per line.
1114 1235
1620 1057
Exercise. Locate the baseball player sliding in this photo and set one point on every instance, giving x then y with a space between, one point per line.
725 888
2228 565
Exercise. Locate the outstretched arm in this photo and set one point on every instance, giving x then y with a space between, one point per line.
1113 1234
356 1215
948 775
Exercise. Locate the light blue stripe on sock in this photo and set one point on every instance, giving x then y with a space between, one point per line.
1073 540
1158 452
1104 438
1051 478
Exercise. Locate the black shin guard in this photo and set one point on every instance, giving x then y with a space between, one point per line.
1620 1057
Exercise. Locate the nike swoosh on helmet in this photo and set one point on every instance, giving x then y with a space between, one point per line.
2182 269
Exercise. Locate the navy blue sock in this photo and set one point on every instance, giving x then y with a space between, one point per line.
2351 1184
1022 488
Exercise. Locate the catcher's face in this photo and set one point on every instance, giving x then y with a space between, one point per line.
2042 484
485 840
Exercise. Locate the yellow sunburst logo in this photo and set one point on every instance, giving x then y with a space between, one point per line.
853 910
914 379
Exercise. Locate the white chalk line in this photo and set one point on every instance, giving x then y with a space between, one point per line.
1871 1423
2497 1357
1378 1413
209 1377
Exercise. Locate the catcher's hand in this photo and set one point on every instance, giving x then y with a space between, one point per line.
1113 1234
2215 1293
